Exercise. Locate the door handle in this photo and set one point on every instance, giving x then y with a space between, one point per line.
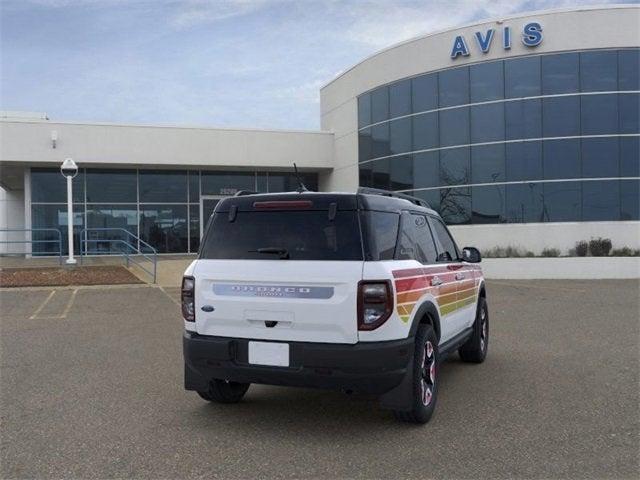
207 308
435 281
459 276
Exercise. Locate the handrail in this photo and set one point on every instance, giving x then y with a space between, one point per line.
32 241
134 249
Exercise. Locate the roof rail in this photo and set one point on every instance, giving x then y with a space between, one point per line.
387 193
242 193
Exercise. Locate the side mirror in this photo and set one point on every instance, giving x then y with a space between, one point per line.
471 255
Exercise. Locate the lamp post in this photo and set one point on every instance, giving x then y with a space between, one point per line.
69 169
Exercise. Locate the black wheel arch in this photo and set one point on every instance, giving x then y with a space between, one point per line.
427 313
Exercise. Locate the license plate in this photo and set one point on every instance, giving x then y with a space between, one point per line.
269 353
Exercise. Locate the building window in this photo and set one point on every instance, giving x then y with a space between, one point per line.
523 119
560 73
561 116
48 185
162 186
487 81
562 201
599 71
599 114
165 227
454 87
364 110
487 123
522 77
523 161
424 93
487 164
600 157
425 131
561 159
400 99
488 204
380 105
400 136
600 201
454 127
112 186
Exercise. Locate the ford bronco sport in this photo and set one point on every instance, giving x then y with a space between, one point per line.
363 292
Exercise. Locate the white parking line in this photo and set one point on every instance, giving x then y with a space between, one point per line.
46 300
170 297
69 303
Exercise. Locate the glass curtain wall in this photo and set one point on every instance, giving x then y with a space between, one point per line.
542 138
161 207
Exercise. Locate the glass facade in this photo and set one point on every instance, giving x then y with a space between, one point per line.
544 138
162 207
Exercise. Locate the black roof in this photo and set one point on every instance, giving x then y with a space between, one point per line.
365 200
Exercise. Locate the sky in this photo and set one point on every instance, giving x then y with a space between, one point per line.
220 63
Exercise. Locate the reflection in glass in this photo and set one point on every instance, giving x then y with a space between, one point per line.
432 197
524 203
48 185
523 161
227 183
426 169
561 159
454 166
454 127
114 218
194 186
562 201
630 157
523 119
599 71
365 145
400 135
629 200
380 174
454 87
561 116
487 123
487 81
380 140
599 114
487 164
522 77
629 69
288 182
425 131
164 227
400 99
380 104
194 227
600 201
560 73
455 205
629 113
424 92
112 186
54 216
600 157
163 186
364 110
401 174
488 204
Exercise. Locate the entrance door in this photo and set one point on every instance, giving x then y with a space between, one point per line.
207 205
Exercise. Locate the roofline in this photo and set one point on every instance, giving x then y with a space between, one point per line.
613 6
168 126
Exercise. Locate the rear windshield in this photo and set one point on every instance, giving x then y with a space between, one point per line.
292 235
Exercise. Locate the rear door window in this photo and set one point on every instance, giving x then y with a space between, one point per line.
447 250
291 235
416 242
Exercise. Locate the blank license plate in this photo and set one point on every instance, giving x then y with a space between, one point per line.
269 353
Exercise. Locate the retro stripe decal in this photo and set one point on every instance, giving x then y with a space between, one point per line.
440 281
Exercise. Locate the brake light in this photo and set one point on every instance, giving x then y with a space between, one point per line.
188 299
283 204
375 303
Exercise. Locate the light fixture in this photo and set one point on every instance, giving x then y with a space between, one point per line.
54 138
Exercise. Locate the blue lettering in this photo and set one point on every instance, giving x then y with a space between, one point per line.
485 43
532 34
506 38
459 47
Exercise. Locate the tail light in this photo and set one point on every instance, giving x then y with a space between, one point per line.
188 299
375 303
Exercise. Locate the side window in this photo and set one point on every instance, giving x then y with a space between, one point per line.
447 250
416 242
382 234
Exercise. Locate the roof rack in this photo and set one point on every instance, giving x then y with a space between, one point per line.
242 193
387 193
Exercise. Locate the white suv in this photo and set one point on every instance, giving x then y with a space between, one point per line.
362 292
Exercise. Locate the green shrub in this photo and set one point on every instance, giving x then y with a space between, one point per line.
506 252
600 247
625 252
582 248
550 252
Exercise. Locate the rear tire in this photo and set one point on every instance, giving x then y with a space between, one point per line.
425 384
475 349
221 391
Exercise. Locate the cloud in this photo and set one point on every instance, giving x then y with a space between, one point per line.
197 12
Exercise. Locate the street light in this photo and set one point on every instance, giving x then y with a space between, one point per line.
69 169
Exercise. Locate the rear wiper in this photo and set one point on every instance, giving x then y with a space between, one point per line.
283 252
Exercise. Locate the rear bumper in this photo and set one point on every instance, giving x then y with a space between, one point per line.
371 367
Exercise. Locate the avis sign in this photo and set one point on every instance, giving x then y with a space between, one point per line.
531 37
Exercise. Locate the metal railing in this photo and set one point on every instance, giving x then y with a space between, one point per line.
130 247
31 241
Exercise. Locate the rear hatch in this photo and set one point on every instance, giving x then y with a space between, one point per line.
281 267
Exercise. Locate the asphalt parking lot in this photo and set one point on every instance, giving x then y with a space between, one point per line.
92 388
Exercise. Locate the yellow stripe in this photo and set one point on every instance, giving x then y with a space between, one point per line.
452 307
